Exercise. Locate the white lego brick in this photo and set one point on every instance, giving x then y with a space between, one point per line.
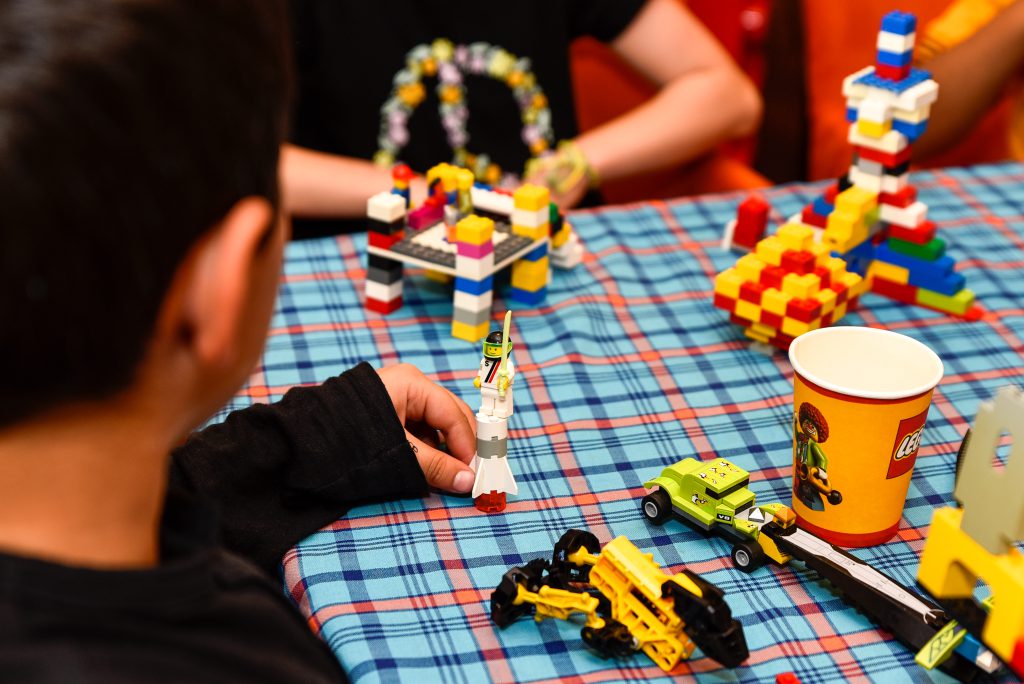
569 255
874 110
865 180
851 89
434 237
472 302
728 233
385 206
913 117
474 269
892 142
382 291
488 200
893 184
922 94
491 427
872 168
908 217
531 219
894 42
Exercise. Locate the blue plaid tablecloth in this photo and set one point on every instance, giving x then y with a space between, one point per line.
625 369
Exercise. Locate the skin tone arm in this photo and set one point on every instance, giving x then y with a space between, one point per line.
703 98
971 77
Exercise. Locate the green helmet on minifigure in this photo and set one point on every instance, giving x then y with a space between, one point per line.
492 345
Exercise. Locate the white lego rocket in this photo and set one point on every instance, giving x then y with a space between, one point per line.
494 478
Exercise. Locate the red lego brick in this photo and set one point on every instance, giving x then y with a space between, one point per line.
884 158
893 290
723 302
771 276
804 310
771 319
826 320
809 217
904 198
893 73
384 241
751 292
383 307
751 222
781 341
842 292
736 320
824 275
800 263
787 678
853 303
831 192
921 234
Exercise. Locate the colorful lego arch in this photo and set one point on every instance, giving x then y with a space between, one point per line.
449 63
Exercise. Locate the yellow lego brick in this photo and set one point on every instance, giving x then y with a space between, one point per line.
757 336
856 200
827 298
854 282
796 236
802 287
470 333
769 250
774 301
530 275
793 327
439 277
892 272
533 233
749 266
836 267
762 329
476 230
728 283
872 129
439 171
464 179
747 310
839 312
531 197
821 253
562 236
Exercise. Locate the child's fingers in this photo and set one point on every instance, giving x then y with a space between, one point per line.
441 470
440 409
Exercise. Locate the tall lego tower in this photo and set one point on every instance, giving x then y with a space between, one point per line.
868 231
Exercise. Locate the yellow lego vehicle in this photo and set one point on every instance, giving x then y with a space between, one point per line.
629 603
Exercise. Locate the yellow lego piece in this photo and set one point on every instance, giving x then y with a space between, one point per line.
728 283
796 236
476 230
470 333
839 312
793 327
856 200
747 310
531 197
892 272
856 284
438 277
802 287
762 329
836 268
464 179
749 267
872 129
530 275
769 250
827 298
774 301
532 233
953 561
562 236
757 336
822 253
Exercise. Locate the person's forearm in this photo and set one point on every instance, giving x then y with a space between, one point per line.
320 185
971 76
718 105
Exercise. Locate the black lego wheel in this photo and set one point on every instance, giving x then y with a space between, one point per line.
747 556
657 506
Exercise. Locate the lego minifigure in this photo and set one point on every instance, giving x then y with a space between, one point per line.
496 374
811 464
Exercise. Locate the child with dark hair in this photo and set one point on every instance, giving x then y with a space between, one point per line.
142 243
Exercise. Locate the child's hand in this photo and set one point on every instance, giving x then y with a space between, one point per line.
425 410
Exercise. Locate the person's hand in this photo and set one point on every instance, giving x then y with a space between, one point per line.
556 173
432 415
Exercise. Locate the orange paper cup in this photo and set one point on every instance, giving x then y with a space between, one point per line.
860 399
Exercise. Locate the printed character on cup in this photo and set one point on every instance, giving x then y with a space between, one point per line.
495 378
811 463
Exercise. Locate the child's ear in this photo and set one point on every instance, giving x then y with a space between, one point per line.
225 278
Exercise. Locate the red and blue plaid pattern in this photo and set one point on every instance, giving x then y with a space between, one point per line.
626 368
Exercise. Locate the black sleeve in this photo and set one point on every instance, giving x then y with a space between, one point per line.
280 472
601 19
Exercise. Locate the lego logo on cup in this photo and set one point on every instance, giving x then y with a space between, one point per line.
908 441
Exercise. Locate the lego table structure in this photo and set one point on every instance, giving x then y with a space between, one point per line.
624 369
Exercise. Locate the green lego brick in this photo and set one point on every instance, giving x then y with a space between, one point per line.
957 304
929 251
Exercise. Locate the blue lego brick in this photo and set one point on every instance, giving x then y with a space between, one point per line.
821 207
475 287
912 131
865 250
894 59
537 254
948 285
903 23
851 114
937 276
913 78
526 297
482 186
